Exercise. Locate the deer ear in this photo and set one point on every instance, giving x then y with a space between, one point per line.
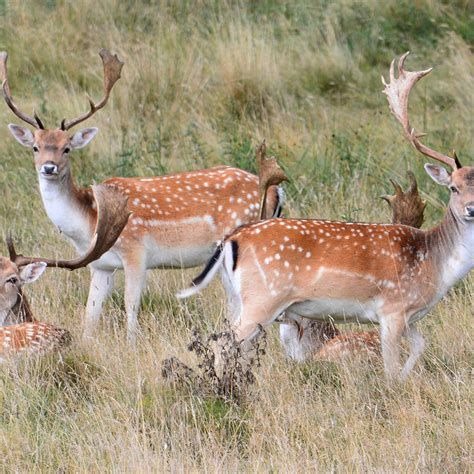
30 273
438 174
81 138
22 135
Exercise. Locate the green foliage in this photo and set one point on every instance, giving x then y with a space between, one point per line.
204 82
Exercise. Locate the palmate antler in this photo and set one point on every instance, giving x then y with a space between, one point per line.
112 217
112 69
33 121
407 207
397 92
269 174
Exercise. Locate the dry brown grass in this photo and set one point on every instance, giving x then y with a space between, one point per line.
202 84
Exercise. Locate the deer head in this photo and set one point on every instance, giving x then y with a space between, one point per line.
51 147
12 279
461 179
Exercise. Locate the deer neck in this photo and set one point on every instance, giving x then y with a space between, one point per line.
451 249
70 208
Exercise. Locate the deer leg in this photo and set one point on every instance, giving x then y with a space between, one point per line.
391 330
417 346
252 317
102 283
246 326
135 275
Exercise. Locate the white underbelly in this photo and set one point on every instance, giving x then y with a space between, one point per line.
158 256
162 256
340 311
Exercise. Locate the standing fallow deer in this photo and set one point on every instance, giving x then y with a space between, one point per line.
177 219
308 338
23 333
387 274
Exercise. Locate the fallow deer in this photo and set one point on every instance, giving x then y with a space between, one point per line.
387 274
308 338
24 334
177 218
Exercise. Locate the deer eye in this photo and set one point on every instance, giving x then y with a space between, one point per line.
35 149
454 190
66 150
13 280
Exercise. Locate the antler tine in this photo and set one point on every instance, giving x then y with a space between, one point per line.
112 69
413 189
33 121
270 174
456 160
261 153
11 247
112 217
397 187
397 92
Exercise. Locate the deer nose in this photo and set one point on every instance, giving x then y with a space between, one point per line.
470 209
49 169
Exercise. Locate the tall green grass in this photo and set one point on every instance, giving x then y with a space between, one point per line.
203 83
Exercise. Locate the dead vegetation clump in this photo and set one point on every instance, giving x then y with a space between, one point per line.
224 368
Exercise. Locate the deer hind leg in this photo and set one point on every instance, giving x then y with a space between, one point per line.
135 276
254 316
391 329
248 323
417 346
102 283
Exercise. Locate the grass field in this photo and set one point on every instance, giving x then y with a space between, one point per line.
203 83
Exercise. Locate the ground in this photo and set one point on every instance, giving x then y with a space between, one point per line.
203 83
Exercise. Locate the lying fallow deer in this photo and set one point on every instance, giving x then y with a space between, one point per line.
23 332
387 274
177 219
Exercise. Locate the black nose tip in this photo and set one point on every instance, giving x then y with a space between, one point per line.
470 211
49 169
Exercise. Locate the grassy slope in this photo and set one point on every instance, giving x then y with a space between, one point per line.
203 83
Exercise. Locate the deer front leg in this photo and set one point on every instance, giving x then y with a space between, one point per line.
135 275
102 283
391 330
417 346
